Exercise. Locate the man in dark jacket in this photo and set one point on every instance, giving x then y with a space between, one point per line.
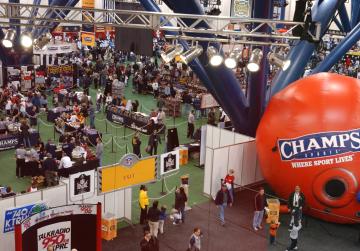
149 242
222 200
260 203
154 140
296 202
153 217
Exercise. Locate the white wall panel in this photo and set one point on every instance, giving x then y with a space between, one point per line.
240 138
27 198
208 170
55 196
249 164
128 203
236 161
6 240
215 137
220 163
227 138
209 136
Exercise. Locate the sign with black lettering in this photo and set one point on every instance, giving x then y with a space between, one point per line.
57 235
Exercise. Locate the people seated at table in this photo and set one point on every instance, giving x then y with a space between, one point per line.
65 161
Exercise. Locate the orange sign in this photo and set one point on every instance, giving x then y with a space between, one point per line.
88 4
88 38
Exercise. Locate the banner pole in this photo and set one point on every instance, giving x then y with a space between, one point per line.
112 144
106 130
98 227
18 238
162 187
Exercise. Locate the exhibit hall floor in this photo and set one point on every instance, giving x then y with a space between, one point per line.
115 149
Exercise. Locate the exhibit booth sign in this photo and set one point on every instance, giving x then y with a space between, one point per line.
129 172
169 162
62 227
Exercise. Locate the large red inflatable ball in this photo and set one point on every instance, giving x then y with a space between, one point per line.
310 136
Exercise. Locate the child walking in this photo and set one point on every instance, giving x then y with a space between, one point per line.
272 231
162 219
294 234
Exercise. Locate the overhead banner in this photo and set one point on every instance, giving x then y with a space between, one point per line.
208 101
82 185
57 235
169 162
131 171
88 38
16 215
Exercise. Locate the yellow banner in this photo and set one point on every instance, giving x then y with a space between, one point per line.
119 177
88 39
88 4
354 53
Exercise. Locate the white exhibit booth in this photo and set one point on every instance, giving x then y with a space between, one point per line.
223 150
117 203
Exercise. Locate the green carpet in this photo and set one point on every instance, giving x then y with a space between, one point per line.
115 149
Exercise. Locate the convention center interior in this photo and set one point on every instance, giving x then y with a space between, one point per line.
173 125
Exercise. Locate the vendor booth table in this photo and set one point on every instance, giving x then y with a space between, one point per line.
134 120
8 141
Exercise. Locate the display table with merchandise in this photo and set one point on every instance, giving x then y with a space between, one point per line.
134 120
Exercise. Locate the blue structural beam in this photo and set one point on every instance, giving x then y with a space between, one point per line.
323 12
355 12
258 80
223 84
344 17
338 24
339 51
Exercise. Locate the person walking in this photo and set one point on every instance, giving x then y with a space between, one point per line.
195 240
136 143
294 235
153 218
143 203
99 150
154 140
162 219
180 200
149 242
191 125
229 182
222 200
260 203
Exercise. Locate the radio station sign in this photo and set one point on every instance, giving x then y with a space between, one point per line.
131 171
16 215
57 235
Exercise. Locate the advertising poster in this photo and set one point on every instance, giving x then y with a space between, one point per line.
169 162
131 171
82 185
57 235
16 215
88 39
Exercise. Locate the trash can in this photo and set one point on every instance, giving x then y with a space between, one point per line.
108 227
